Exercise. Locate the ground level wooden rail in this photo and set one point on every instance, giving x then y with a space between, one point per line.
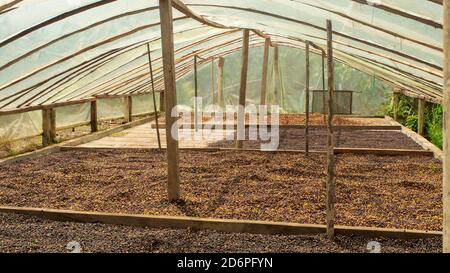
224 225
383 151
297 126
212 149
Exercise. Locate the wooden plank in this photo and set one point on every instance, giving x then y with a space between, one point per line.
299 126
276 75
383 151
421 117
48 126
94 117
155 111
324 106
331 168
220 97
396 98
20 110
173 170
362 151
242 90
223 225
446 105
307 76
213 92
162 104
264 72
403 234
196 98
127 108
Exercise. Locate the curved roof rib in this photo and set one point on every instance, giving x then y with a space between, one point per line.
94 48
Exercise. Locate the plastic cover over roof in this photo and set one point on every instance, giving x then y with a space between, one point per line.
56 51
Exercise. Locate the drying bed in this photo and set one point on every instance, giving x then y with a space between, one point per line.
19 233
294 139
314 119
373 191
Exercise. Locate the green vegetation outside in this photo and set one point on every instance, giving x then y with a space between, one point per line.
408 116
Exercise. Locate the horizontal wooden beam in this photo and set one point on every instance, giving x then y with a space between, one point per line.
223 225
383 151
67 103
295 126
363 151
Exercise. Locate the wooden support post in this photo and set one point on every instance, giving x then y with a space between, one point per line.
421 117
276 75
446 105
324 105
196 118
155 111
307 76
331 191
162 104
173 170
94 119
48 126
213 99
264 72
127 109
220 98
395 105
242 91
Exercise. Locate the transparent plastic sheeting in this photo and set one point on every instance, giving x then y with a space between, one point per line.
99 47
18 126
371 33
72 115
143 104
29 124
368 99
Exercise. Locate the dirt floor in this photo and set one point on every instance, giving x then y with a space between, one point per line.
20 233
294 139
389 191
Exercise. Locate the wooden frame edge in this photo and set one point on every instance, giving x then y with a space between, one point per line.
223 225
363 151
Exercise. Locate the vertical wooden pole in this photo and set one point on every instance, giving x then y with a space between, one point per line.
155 111
264 72
94 119
127 109
213 91
173 171
242 91
307 76
48 126
196 121
276 75
331 194
162 104
395 105
220 82
446 105
421 117
324 106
